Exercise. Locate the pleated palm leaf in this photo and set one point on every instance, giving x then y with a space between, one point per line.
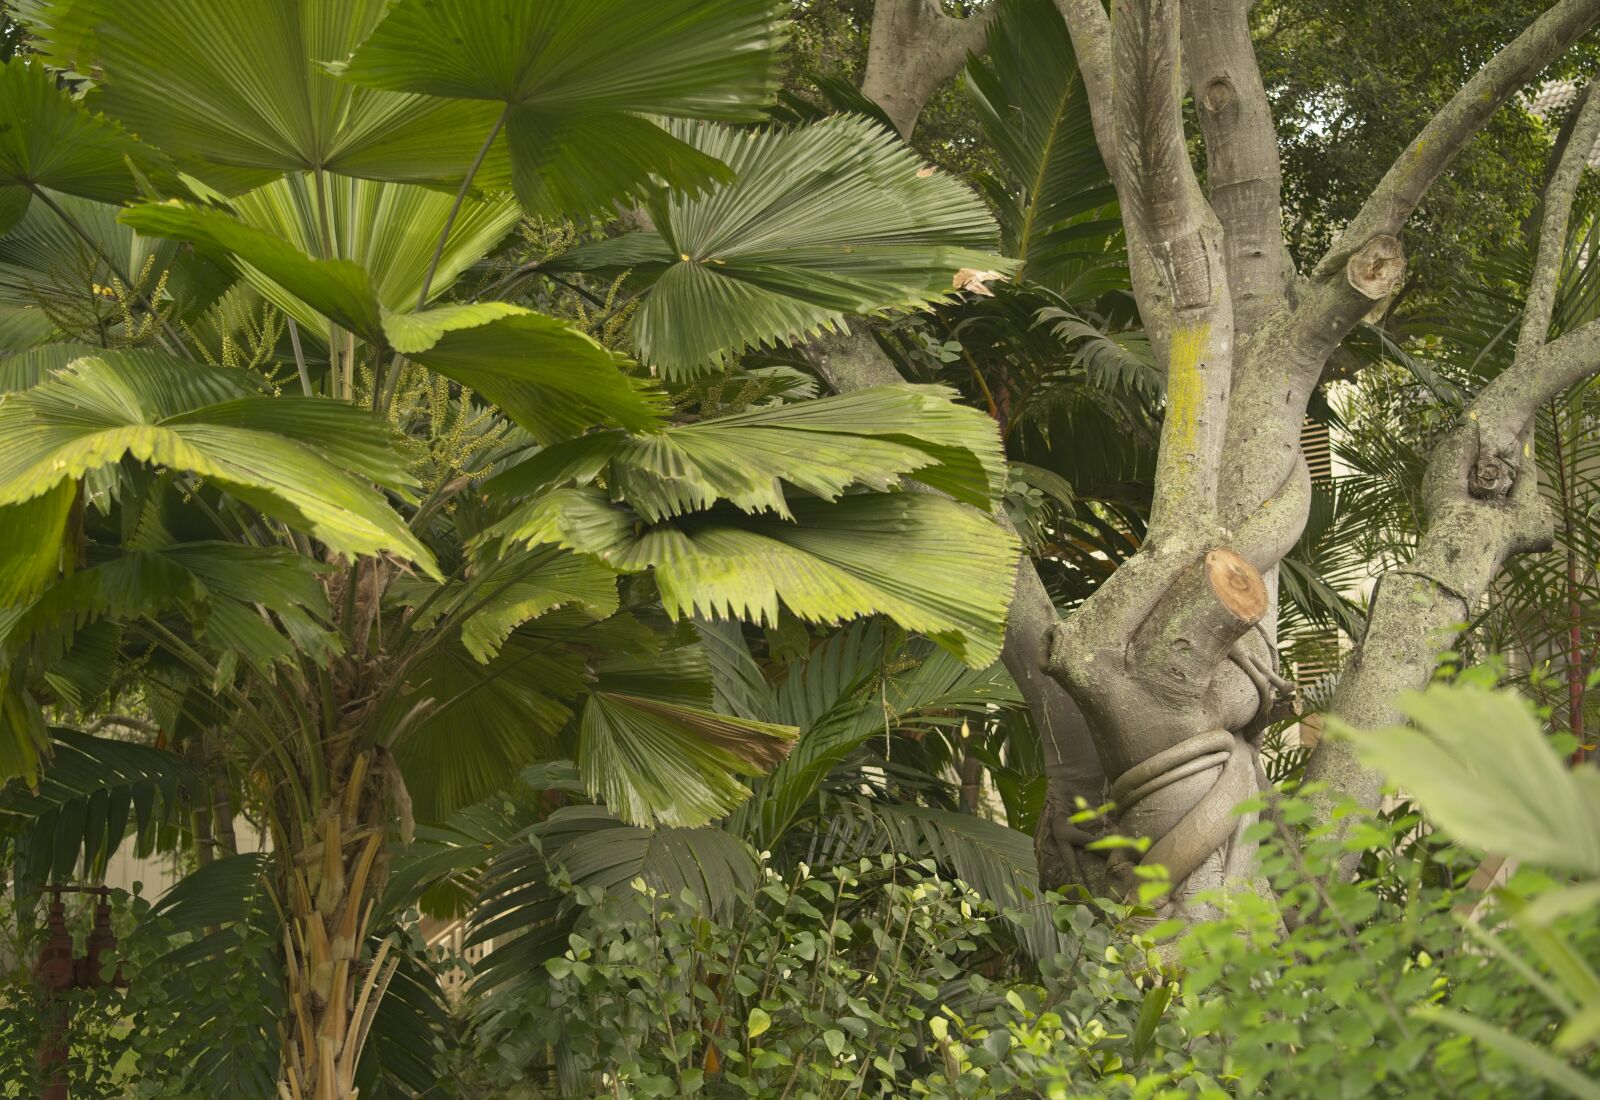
571 85
822 222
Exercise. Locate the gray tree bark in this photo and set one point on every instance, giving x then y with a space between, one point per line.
1171 663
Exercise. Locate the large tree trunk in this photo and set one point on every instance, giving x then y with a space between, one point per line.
1172 661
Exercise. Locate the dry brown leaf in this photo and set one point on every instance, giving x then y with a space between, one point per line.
974 281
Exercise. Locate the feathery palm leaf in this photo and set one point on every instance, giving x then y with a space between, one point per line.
95 793
1055 202
996 861
528 919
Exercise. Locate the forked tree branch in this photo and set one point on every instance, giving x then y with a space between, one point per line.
1542 368
1176 250
1481 506
1367 252
1090 28
914 48
1554 216
1155 178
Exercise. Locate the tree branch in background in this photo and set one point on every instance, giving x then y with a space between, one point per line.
1541 369
1481 495
1243 174
914 48
1367 251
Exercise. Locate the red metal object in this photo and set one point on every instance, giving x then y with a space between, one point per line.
57 972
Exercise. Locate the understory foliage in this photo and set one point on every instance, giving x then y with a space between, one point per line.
889 975
881 977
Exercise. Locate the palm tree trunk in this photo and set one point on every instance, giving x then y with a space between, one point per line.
329 880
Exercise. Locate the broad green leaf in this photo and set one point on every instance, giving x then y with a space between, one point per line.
27 369
1479 764
1150 1013
869 438
207 421
829 221
48 139
563 165
242 84
656 761
543 373
576 77
339 289
132 585
221 587
24 737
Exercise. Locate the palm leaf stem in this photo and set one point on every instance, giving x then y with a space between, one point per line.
387 383
438 499
342 386
977 376
449 620
299 357
269 743
455 207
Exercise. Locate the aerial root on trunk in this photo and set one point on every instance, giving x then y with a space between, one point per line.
1209 823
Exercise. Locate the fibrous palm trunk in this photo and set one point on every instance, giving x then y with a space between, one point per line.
329 877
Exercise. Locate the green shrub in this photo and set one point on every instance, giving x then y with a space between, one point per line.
882 979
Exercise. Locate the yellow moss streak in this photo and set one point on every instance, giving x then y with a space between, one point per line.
1179 477
1185 390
